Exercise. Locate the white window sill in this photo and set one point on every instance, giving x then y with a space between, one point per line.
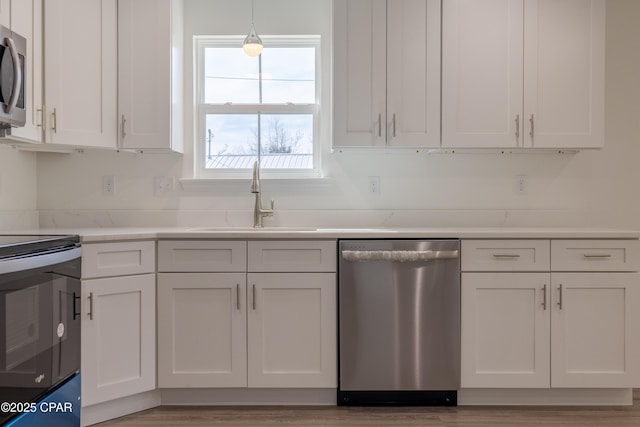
200 185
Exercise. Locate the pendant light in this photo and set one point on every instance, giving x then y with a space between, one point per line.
252 44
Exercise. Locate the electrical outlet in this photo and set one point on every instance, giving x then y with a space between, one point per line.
523 184
163 185
374 185
108 185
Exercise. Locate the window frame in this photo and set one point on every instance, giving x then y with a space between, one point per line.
202 109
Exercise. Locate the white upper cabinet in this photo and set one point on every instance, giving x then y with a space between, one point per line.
386 73
150 77
26 20
564 67
482 73
5 13
81 72
523 73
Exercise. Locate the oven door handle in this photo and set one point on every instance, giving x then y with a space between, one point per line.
75 313
17 76
38 261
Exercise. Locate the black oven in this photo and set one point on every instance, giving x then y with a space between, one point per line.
39 320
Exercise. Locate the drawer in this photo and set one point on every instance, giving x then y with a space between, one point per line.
595 255
505 255
202 256
292 256
118 259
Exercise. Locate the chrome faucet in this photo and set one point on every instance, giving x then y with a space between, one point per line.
258 212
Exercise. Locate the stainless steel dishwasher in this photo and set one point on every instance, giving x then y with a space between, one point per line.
399 322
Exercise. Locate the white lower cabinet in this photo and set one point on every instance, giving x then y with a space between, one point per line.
118 337
292 330
551 329
505 330
202 330
594 338
238 329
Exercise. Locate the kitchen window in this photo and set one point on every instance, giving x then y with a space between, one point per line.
263 108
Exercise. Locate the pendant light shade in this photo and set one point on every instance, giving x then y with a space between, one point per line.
252 44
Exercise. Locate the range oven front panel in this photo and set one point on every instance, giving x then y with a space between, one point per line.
39 323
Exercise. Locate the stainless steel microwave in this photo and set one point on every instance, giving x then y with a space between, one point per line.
13 72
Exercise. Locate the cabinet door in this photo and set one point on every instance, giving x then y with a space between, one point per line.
482 60
505 330
292 330
564 73
26 20
413 73
118 337
594 335
359 49
5 13
81 72
144 72
202 330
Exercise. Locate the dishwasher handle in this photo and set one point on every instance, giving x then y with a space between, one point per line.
398 256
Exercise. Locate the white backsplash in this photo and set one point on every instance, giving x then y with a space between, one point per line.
327 218
18 220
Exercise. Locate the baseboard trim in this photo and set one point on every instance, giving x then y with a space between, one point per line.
547 397
117 408
240 397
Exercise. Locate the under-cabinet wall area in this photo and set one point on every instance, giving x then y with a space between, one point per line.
587 188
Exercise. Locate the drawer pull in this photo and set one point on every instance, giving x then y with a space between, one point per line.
544 297
506 256
237 296
592 256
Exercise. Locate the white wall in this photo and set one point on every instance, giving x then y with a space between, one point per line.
17 189
598 188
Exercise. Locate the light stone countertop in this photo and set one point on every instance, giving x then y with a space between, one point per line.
93 235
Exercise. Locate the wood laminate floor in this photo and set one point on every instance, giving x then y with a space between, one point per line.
168 416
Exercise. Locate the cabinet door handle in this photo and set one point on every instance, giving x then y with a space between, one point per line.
40 114
90 305
54 121
560 299
531 122
518 128
122 125
544 297
253 298
237 296
393 125
380 125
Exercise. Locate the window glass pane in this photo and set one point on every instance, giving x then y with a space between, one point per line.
289 75
231 141
286 141
230 75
